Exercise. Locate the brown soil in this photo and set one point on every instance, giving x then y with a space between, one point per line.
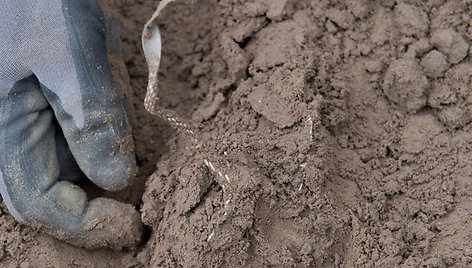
343 127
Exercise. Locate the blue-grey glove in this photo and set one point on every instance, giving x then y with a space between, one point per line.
55 82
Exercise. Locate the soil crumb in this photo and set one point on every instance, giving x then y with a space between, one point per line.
341 130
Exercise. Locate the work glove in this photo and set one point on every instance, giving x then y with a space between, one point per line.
60 115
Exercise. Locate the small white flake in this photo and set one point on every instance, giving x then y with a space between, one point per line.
211 166
210 236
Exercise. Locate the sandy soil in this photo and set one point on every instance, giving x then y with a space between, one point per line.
343 129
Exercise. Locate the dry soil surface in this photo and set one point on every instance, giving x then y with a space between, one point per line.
340 133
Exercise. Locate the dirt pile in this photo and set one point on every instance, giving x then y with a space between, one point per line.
343 126
341 130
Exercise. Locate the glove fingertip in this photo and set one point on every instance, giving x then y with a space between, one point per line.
115 175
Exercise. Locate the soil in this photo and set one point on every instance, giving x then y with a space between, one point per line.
339 131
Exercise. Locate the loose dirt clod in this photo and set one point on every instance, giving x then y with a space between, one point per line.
434 64
451 43
406 85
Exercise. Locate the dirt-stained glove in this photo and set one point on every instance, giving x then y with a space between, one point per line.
55 82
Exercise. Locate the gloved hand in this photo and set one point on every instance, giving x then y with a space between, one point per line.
55 83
